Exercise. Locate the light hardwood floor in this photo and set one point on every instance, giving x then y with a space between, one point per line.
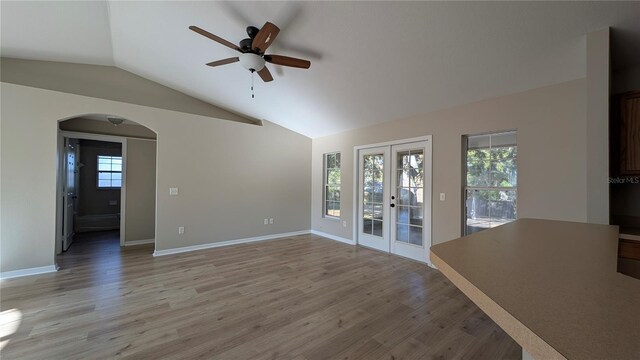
303 297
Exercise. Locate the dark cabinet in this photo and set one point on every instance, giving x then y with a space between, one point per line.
630 134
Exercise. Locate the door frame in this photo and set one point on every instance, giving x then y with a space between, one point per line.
428 183
60 173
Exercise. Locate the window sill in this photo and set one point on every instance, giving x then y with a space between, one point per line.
331 218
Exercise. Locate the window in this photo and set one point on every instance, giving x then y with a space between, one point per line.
332 185
109 172
491 175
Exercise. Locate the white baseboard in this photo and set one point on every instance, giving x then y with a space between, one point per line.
27 272
139 242
226 243
333 237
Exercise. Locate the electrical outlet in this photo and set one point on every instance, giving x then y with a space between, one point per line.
344 223
181 230
266 221
271 221
442 197
173 191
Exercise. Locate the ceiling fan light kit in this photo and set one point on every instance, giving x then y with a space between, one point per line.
251 61
252 56
115 120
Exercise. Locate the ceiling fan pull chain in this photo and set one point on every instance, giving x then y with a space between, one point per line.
253 95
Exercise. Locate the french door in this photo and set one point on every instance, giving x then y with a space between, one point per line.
394 201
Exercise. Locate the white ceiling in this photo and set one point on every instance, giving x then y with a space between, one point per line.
371 61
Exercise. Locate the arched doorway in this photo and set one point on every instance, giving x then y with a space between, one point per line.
106 180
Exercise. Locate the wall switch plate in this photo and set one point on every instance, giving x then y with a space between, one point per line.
181 230
173 191
266 221
442 197
271 221
344 223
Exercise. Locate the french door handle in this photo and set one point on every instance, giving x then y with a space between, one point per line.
393 205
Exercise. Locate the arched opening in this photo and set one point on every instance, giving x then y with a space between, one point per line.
106 187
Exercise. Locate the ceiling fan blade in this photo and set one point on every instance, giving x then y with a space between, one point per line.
215 38
265 74
265 37
223 61
287 61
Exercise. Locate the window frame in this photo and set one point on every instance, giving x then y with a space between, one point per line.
98 171
326 185
466 187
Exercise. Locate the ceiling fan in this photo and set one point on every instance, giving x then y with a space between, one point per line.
252 49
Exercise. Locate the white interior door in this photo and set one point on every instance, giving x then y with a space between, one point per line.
373 208
69 191
394 201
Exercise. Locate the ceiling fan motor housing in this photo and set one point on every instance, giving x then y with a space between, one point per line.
251 61
252 31
245 44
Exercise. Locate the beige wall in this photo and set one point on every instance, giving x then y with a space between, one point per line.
106 128
107 82
140 212
551 125
598 89
230 175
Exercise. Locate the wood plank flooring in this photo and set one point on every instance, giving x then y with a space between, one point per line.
302 297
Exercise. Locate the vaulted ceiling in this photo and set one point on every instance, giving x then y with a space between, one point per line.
371 61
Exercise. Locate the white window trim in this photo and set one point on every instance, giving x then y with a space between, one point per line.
325 185
466 188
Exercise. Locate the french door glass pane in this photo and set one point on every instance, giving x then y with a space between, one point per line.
402 233
415 235
402 214
373 194
377 228
416 216
409 196
377 212
367 226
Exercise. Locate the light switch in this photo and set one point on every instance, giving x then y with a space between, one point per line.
442 197
173 191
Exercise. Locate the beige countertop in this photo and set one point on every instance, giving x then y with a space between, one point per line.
551 285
